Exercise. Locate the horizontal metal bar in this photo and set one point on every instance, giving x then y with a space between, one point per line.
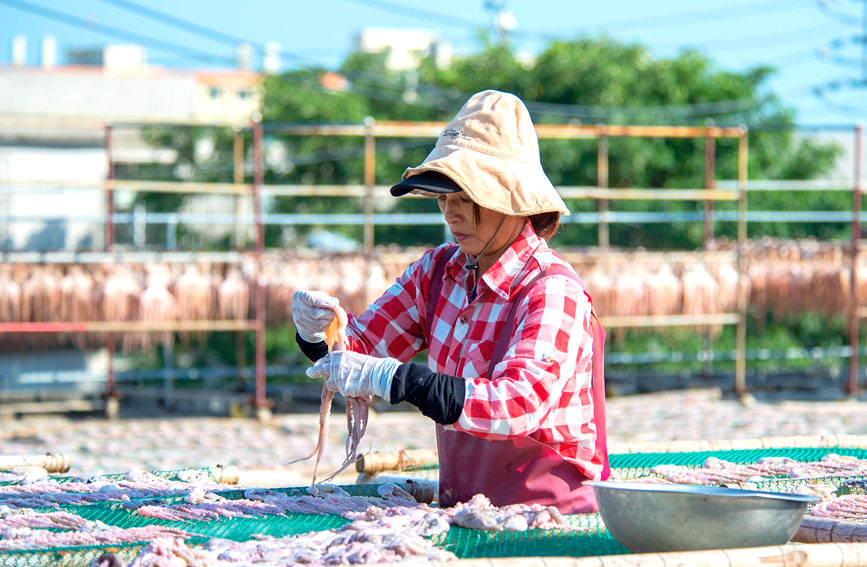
121 376
790 184
390 129
125 257
126 326
671 320
398 219
324 190
646 256
648 194
816 353
612 217
557 131
133 185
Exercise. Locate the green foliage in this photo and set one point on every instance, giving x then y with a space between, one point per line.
583 80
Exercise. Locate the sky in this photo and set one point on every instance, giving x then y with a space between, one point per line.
816 46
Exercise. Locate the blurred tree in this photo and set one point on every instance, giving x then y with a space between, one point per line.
585 80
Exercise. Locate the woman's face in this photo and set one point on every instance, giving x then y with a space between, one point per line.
458 211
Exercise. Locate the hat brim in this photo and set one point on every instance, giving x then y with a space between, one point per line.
507 186
426 182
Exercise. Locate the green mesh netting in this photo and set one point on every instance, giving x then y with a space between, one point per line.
633 465
80 556
592 540
238 529
596 540
633 461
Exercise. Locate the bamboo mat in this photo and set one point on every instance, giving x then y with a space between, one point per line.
803 555
829 530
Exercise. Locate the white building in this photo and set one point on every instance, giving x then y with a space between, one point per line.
404 49
52 129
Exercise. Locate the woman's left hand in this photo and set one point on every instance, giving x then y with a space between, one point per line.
355 375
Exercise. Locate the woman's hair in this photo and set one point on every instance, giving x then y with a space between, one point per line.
545 225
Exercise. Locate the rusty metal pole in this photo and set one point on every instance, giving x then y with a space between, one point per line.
709 184
259 402
369 180
112 396
109 193
602 182
240 240
854 315
741 332
238 179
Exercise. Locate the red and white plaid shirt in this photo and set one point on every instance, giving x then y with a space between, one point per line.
541 388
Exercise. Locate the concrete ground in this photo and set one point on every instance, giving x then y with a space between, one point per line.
152 439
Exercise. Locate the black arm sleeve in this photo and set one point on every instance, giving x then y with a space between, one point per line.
438 396
313 351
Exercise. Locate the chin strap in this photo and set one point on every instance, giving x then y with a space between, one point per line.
473 261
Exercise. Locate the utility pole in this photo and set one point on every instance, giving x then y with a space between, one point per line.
504 19
864 42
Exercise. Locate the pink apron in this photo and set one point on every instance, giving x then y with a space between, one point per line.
520 470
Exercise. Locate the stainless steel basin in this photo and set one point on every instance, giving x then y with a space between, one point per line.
679 517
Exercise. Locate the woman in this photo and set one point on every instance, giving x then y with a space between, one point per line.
511 380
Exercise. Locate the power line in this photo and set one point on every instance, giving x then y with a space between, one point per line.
706 15
440 100
763 40
418 13
841 17
219 36
110 30
433 97
189 26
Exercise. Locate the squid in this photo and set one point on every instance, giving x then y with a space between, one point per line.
356 408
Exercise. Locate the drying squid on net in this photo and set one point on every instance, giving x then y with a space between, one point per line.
131 490
202 505
16 518
325 499
162 551
718 471
93 533
383 540
848 506
478 513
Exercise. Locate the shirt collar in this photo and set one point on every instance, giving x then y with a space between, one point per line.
501 276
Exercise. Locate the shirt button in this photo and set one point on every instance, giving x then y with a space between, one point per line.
464 320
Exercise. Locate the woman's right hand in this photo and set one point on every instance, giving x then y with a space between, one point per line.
312 312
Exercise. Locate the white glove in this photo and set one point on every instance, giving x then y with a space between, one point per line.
312 313
356 375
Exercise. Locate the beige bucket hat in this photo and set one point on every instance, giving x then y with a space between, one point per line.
491 151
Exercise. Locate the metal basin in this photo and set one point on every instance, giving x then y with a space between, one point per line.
680 517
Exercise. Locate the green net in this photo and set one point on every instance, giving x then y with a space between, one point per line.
80 556
234 528
589 539
628 466
592 540
638 462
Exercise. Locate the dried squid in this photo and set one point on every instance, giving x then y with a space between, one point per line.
356 408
